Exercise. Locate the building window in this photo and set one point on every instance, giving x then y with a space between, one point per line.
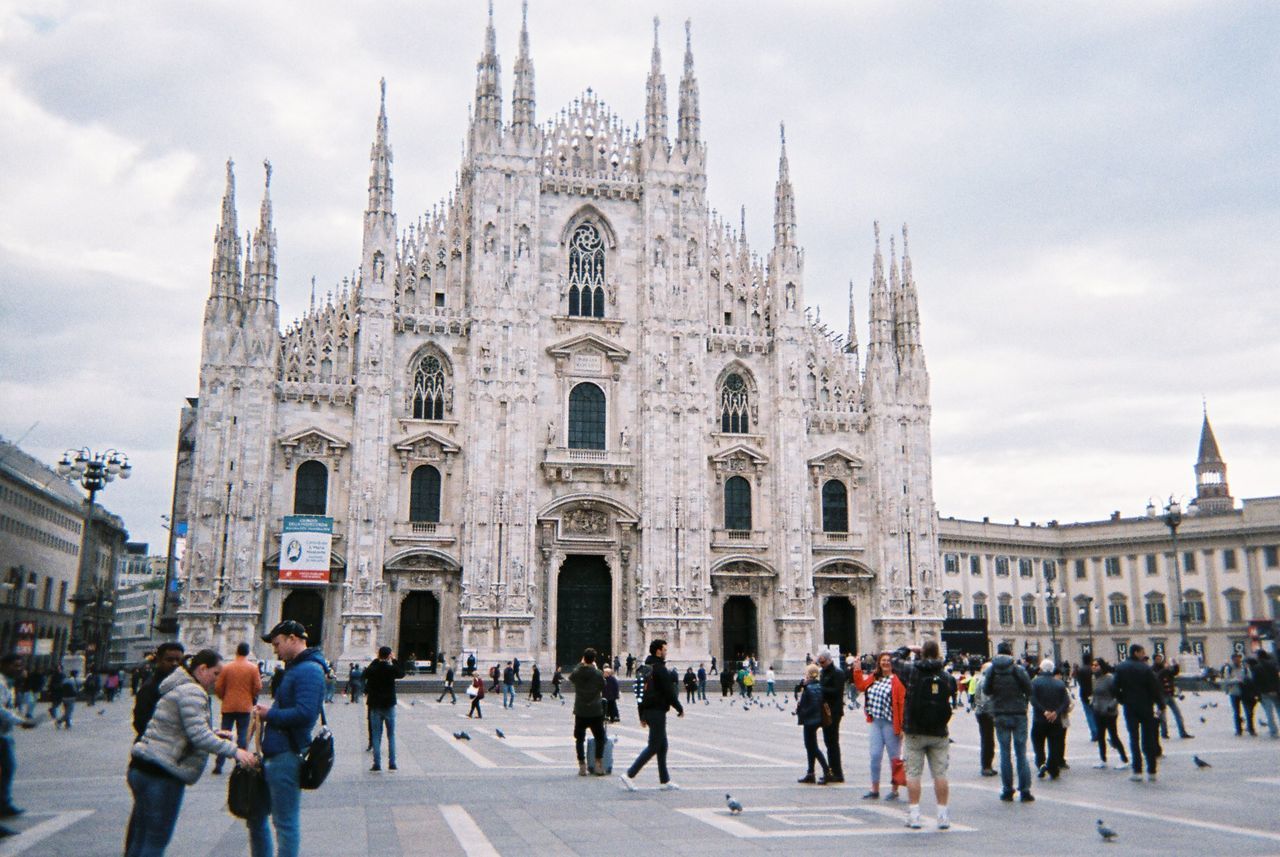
62 597
1053 614
1111 566
1156 613
586 273
975 565
1002 566
835 507
954 610
734 401
1235 608
1189 562
1229 560
47 604
1006 613
1152 566
1193 608
951 564
1270 556
586 417
1273 599
1118 613
429 387
311 489
979 611
424 494
1082 571
1026 568
1029 613
737 504
1050 569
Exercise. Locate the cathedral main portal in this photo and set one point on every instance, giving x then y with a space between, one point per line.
740 624
419 628
584 611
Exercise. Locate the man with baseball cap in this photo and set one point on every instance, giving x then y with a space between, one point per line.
286 735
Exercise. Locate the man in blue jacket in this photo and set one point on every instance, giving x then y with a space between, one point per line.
286 736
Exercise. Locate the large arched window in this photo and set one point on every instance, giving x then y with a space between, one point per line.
586 272
311 489
737 504
424 494
835 507
429 388
586 417
734 402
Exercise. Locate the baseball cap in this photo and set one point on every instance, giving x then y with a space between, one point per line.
288 626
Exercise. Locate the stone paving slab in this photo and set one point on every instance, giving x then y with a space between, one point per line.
521 795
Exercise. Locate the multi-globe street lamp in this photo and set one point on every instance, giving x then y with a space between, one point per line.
1172 518
93 470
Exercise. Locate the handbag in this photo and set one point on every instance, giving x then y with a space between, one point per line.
317 762
898 777
826 715
247 792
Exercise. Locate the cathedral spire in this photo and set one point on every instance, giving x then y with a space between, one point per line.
226 280
655 113
263 283
851 342
881 314
488 106
380 163
689 120
784 200
1212 492
522 101
909 315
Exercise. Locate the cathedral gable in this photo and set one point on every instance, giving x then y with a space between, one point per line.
427 446
311 443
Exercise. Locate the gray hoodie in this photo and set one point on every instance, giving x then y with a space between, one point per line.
178 738
1007 686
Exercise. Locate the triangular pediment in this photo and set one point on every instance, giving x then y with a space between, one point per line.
836 456
313 436
586 342
740 450
427 437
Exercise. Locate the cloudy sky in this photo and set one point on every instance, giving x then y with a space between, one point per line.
1093 191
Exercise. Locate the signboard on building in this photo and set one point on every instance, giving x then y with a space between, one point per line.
25 644
44 646
305 546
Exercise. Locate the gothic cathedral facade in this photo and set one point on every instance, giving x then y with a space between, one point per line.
568 406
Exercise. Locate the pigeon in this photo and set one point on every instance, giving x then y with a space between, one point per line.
462 736
735 808
499 733
1213 705
1202 720
1107 834
101 711
1204 705
1200 763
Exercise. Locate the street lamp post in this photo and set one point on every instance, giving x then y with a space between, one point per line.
93 470
1050 605
1087 612
1172 518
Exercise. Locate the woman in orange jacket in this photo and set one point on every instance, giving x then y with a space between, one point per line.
886 698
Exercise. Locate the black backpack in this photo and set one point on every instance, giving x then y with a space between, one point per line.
643 682
930 704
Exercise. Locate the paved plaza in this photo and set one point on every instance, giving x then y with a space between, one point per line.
521 795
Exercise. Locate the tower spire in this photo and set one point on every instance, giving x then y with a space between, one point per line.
263 284
380 162
909 321
488 106
689 120
881 320
522 101
784 201
851 342
1212 492
225 277
655 113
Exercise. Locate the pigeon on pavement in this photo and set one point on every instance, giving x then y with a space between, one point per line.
735 808
1200 763
499 733
462 736
1107 834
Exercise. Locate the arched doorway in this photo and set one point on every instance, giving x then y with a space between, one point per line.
306 606
584 608
419 628
840 624
739 629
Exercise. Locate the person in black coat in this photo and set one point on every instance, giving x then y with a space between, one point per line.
1138 690
833 682
661 693
1049 705
380 695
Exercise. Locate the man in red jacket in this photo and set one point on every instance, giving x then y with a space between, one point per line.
238 687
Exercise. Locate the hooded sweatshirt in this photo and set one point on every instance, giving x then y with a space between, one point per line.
298 699
1007 686
178 738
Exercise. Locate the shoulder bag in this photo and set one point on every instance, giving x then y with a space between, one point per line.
247 793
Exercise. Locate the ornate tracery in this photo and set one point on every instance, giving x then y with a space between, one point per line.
430 388
734 403
586 272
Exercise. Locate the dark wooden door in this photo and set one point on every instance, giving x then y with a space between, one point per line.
306 606
739 629
840 624
584 608
419 628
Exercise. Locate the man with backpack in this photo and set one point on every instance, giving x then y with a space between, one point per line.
928 710
655 693
1007 690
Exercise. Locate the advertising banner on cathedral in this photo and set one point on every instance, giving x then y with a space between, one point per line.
304 549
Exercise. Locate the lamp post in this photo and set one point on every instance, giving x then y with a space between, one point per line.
1172 518
1086 613
1050 608
93 470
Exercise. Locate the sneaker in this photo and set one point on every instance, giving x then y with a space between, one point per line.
376 767
626 782
392 767
1007 797
944 821
1151 778
1120 766
1028 797
1186 735
1101 766
989 772
913 820
669 787
1135 778
11 811
1044 772
871 796
893 795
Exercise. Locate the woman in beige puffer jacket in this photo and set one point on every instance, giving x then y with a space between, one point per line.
172 753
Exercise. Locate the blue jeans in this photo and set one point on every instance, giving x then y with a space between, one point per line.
239 720
8 767
156 801
1270 703
1090 719
508 696
1012 729
378 717
882 739
281 772
656 746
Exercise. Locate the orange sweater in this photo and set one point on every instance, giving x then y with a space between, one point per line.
238 686
898 696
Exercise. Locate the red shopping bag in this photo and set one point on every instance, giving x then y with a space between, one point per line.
899 777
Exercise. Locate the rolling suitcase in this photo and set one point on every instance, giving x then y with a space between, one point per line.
609 741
